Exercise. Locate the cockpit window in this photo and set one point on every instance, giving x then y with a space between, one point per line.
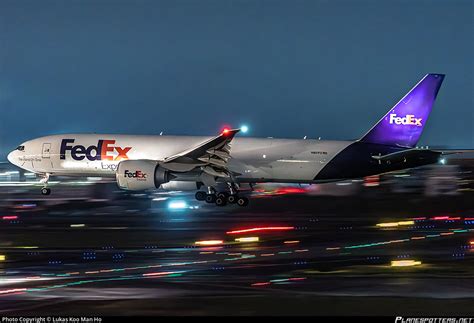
20 148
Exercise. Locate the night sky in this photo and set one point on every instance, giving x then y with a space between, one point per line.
325 69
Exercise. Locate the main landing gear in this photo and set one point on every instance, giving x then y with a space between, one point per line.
222 198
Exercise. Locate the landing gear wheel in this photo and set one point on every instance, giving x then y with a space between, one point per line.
220 201
242 201
232 199
45 191
200 195
223 195
211 198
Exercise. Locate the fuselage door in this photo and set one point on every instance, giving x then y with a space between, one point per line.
46 150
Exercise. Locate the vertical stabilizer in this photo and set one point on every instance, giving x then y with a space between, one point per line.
404 123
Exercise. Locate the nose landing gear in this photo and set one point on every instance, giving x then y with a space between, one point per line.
44 180
45 191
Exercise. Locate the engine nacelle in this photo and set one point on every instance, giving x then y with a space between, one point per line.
138 175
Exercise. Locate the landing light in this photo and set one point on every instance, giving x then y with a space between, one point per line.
442 161
177 205
244 129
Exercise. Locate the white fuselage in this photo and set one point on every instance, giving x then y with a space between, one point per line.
255 159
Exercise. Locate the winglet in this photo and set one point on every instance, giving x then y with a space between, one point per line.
229 132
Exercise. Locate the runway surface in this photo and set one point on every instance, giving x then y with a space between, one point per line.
282 255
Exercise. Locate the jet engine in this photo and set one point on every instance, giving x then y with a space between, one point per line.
138 175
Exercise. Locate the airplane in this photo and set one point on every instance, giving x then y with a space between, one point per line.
224 163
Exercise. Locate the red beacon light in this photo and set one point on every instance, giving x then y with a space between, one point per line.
225 131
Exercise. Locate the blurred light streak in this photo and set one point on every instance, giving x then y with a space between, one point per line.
404 263
439 218
333 248
291 241
80 225
10 217
260 229
209 242
387 225
395 224
13 290
409 222
267 254
163 273
3 257
301 250
247 239
261 284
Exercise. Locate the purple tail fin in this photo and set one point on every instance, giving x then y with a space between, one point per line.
404 123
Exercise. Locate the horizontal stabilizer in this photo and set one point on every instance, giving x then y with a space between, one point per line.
405 155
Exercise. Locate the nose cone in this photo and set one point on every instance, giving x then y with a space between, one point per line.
12 157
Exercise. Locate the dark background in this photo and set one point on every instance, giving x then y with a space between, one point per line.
325 69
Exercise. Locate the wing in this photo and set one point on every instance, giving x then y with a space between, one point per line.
454 151
211 155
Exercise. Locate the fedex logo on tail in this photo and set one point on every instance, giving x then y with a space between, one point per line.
103 150
409 119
